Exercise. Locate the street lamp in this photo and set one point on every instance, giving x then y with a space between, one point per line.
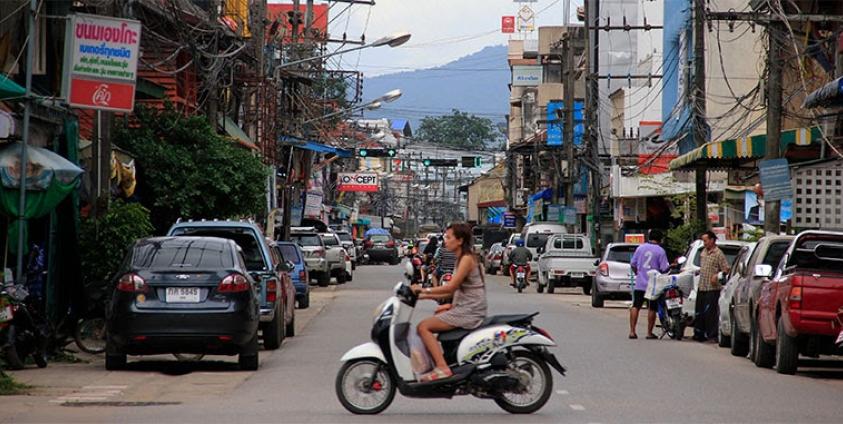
390 96
393 40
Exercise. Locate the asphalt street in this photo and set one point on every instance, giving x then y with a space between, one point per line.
610 378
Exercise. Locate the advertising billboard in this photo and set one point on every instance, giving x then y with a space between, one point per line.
507 24
101 62
358 181
526 75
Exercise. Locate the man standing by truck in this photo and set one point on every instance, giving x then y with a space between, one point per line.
647 257
712 262
520 256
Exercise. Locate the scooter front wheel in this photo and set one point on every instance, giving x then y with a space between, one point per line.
364 386
537 384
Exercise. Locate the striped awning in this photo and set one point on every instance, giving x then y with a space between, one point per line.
736 151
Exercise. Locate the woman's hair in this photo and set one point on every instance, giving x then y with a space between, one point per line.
463 231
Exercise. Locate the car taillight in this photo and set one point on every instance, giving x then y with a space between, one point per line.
368 243
271 288
303 276
347 258
795 298
390 244
132 283
233 283
497 257
603 269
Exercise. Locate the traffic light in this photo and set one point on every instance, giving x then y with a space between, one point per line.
471 161
376 153
440 162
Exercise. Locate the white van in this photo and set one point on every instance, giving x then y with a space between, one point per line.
535 235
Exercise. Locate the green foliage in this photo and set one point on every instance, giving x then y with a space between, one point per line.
677 239
103 242
752 236
8 385
460 130
187 170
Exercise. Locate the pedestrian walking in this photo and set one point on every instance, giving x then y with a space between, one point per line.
712 262
647 257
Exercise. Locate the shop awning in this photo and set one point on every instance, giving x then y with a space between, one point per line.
317 147
828 95
232 129
10 89
732 153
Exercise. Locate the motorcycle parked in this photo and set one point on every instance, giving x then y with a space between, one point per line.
669 297
505 359
23 330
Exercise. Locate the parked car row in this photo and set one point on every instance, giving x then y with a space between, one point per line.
782 300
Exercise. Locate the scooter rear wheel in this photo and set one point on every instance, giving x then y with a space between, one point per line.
356 390
538 389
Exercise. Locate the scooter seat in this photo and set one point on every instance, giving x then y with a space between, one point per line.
459 333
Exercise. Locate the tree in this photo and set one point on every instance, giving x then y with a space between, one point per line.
460 130
186 170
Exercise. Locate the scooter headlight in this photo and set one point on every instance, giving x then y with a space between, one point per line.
378 311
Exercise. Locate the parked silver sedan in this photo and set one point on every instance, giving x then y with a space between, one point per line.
739 269
613 279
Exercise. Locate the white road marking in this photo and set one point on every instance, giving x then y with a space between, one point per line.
562 392
90 394
577 407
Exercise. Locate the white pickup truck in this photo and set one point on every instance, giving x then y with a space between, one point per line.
566 260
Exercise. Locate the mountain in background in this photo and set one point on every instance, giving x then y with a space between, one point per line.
475 84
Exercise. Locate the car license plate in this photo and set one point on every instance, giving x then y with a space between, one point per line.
182 295
521 275
673 303
6 314
577 275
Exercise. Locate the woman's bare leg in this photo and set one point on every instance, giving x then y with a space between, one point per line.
427 331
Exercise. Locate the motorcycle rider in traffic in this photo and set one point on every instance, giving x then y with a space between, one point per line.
520 256
468 309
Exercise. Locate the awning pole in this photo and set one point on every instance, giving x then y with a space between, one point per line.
27 112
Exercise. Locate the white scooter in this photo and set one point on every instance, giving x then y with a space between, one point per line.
505 359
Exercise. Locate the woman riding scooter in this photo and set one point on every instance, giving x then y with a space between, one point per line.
468 289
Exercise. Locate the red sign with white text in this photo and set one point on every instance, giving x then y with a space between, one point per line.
102 95
507 24
366 182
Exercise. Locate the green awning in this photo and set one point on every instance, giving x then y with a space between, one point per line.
149 89
232 129
10 89
733 152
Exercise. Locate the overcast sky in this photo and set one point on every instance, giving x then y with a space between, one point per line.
442 30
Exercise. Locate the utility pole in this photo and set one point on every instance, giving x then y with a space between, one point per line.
568 136
772 220
592 13
27 117
213 16
699 114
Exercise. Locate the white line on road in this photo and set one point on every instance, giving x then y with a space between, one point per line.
562 392
577 407
104 387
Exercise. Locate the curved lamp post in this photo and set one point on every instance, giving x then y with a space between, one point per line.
390 96
393 40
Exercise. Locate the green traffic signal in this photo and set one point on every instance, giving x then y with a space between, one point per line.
426 162
391 153
362 153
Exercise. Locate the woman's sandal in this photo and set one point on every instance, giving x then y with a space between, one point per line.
436 374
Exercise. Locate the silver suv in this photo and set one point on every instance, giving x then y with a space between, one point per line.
314 253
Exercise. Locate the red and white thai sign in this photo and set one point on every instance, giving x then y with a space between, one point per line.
507 24
360 181
101 62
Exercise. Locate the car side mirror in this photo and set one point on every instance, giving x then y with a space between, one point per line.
681 261
597 262
764 271
540 250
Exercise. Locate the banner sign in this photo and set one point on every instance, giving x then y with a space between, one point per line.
101 62
507 24
313 205
526 75
509 220
633 238
554 128
775 179
360 181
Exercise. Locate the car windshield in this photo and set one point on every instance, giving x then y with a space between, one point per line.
242 236
731 252
621 254
379 238
345 237
289 253
187 254
536 240
329 240
306 240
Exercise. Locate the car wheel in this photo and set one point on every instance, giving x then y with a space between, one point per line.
114 359
324 279
395 261
353 266
765 354
341 278
596 299
249 360
505 270
586 289
304 303
550 286
290 329
787 351
273 331
738 342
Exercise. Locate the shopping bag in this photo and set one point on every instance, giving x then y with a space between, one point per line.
420 360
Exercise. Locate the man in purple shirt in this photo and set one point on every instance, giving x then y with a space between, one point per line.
647 257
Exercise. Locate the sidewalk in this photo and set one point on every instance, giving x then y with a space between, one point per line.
158 378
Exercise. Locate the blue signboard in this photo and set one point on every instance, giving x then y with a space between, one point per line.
494 215
554 129
775 179
509 220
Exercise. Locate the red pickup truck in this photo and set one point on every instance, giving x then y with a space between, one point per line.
797 309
